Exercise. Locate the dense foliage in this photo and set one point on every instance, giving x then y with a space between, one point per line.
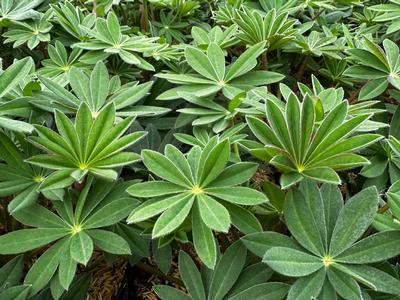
254 144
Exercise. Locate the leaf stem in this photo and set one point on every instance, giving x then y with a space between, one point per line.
302 68
154 271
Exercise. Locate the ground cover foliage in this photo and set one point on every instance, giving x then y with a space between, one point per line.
253 144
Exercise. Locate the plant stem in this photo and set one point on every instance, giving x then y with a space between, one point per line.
155 271
124 16
95 7
264 61
302 68
235 145
145 18
318 14
383 209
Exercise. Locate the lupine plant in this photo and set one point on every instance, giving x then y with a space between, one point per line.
330 260
301 148
200 185
204 150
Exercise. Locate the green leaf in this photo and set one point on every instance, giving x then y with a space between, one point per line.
344 284
373 89
374 248
38 216
243 219
234 175
322 174
278 125
252 275
99 85
166 292
83 123
364 72
200 63
315 205
104 122
56 288
24 199
66 269
307 125
173 217
15 125
109 242
110 213
227 271
80 84
268 290
217 60
44 268
14 74
238 195
333 203
164 168
63 95
12 272
27 239
177 158
294 124
307 287
213 214
203 239
261 242
328 292
11 154
302 223
354 218
372 277
330 123
246 62
393 195
263 132
291 262
81 247
155 206
213 163
191 276
19 292
162 254
256 78
153 189
57 180
289 179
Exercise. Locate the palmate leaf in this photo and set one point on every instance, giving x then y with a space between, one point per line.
341 265
200 179
29 32
97 91
307 149
389 12
73 20
390 220
17 177
75 231
10 78
214 76
58 66
108 39
274 29
86 147
229 279
376 64
19 10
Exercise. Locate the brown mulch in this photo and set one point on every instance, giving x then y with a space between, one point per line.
145 281
106 279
